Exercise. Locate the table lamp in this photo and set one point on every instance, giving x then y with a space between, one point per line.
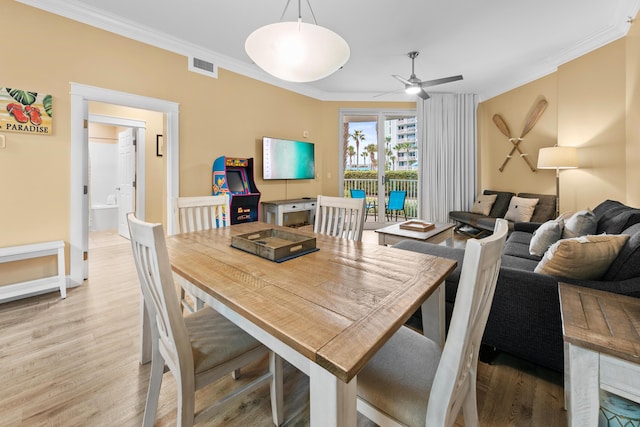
558 158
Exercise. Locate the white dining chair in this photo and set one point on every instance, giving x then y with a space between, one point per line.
198 348
196 214
340 217
410 381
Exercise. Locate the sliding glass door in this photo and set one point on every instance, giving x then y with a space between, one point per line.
379 154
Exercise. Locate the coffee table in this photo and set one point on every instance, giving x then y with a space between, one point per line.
393 234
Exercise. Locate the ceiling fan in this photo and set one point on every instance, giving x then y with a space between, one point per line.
414 85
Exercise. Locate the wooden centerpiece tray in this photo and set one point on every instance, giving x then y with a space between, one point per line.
417 225
275 245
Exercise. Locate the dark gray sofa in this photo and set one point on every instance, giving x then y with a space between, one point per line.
525 316
545 210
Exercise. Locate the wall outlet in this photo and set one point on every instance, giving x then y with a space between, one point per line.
3 143
305 134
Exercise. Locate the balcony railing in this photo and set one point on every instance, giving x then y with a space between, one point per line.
370 186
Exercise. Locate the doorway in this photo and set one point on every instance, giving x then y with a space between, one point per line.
81 95
378 154
117 182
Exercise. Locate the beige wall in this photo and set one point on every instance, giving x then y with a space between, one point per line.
594 106
633 115
224 116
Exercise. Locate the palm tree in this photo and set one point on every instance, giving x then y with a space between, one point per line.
357 137
371 149
403 147
350 153
364 156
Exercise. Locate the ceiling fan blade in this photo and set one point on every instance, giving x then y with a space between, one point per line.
441 81
402 79
388 93
422 94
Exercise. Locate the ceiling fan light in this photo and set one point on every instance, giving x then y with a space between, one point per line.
297 51
412 89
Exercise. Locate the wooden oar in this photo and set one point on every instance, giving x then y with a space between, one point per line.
533 118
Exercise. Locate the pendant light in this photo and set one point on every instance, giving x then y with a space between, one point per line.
297 51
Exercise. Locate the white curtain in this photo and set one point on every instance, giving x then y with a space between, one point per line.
447 137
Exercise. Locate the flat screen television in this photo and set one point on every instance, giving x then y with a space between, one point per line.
287 159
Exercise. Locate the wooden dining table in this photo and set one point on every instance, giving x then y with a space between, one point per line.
325 312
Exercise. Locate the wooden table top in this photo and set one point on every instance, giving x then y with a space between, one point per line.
336 306
601 321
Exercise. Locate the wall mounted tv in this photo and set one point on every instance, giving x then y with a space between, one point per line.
287 159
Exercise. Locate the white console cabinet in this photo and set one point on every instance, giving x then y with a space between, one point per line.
273 212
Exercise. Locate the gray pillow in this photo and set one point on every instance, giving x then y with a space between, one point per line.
579 224
546 235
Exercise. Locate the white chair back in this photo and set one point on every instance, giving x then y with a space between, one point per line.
340 217
410 380
158 289
454 386
202 213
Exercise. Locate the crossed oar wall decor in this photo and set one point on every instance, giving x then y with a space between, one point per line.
531 121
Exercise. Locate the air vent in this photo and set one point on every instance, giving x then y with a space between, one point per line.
203 66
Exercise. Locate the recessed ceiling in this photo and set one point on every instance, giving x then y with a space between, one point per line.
496 45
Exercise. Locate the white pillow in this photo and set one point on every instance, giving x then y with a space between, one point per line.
579 224
520 209
546 235
585 257
483 203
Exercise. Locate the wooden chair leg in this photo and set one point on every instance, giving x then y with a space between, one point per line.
185 386
153 393
275 367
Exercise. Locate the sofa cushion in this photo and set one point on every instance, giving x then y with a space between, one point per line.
546 235
520 250
585 257
483 203
606 211
518 263
623 220
501 204
520 209
627 264
579 224
545 209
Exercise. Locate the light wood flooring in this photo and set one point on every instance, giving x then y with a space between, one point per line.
74 362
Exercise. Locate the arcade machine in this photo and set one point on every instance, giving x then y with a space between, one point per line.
234 176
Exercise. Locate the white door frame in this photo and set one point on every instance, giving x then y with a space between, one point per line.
79 180
381 115
140 128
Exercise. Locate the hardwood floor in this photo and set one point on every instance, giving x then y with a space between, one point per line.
74 362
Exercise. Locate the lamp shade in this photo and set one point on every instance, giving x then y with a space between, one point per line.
558 158
297 51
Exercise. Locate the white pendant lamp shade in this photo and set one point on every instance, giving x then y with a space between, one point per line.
297 51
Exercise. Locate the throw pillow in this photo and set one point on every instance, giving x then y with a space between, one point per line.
483 204
520 209
580 224
546 235
584 258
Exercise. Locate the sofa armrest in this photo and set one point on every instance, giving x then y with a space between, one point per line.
525 317
528 227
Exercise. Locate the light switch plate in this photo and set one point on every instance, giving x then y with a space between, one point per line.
3 143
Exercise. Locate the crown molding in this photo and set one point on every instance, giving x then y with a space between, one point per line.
97 18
